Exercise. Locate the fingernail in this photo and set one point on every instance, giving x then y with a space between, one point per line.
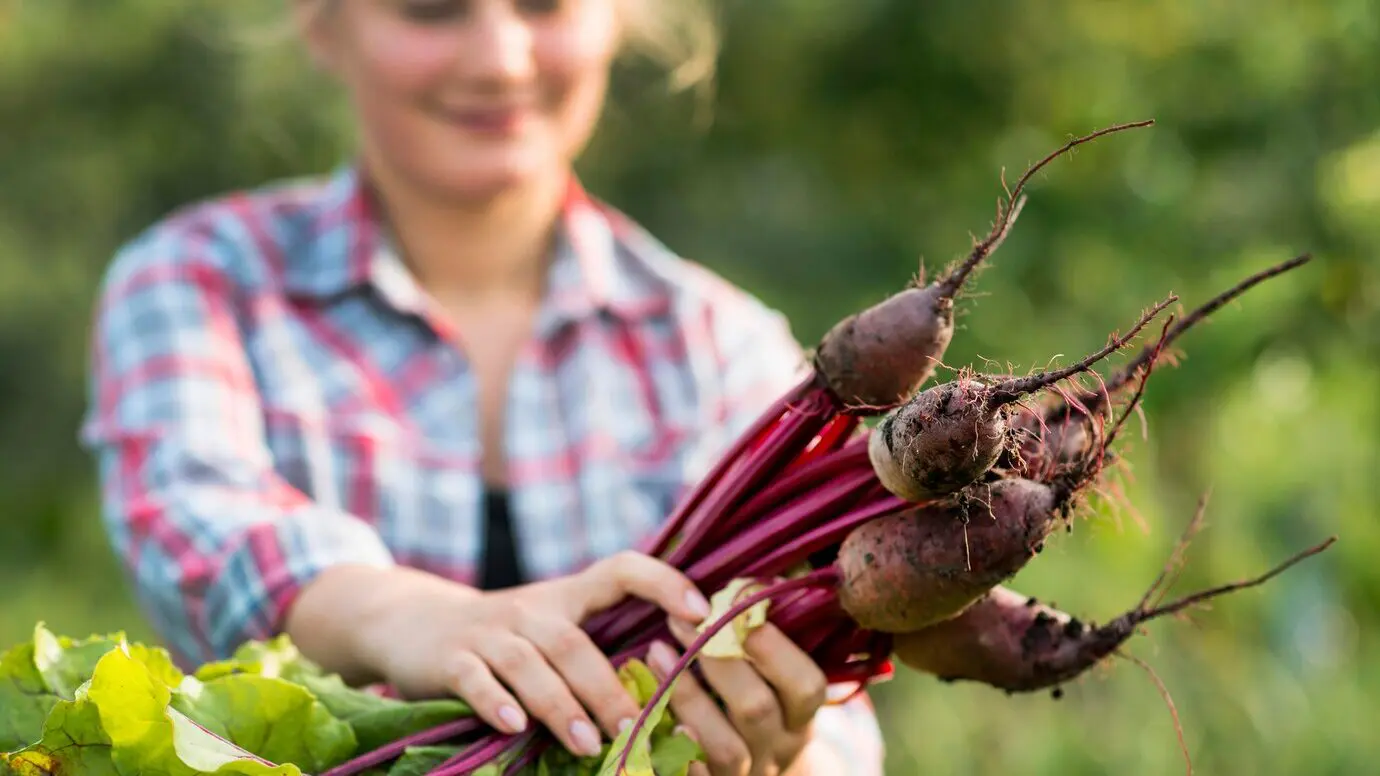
586 737
513 718
625 724
661 658
698 605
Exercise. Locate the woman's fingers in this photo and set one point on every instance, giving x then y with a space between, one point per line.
724 748
628 573
751 702
520 665
800 684
584 668
469 677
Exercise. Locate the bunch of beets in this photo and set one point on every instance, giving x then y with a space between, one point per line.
868 544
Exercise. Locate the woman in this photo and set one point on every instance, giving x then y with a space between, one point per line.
415 414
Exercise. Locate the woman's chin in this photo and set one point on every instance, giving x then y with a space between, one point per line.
495 176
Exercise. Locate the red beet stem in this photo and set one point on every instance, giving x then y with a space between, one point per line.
529 756
825 515
761 427
787 441
483 753
827 499
784 556
383 754
852 457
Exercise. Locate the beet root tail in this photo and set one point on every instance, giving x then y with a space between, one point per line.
1008 391
1153 353
1010 209
1014 643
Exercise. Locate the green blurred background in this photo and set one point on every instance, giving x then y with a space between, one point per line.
850 139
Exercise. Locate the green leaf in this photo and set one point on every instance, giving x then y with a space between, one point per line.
420 760
25 699
638 680
640 758
120 724
642 684
272 718
277 657
673 754
150 737
66 663
373 719
73 741
377 720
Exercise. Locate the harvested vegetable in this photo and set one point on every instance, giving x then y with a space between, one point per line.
876 358
948 436
859 544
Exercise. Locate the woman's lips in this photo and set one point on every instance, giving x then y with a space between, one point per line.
498 122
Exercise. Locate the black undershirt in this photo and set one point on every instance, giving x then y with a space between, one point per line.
500 566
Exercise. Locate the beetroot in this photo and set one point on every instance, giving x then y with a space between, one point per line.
948 436
872 360
905 571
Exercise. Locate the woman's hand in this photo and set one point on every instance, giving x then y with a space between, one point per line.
516 649
769 703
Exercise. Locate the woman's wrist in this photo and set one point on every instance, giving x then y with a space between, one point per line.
346 618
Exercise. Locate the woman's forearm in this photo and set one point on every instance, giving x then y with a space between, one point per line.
341 619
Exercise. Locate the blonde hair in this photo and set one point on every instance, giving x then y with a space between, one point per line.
680 35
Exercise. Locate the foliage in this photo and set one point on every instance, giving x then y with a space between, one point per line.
849 140
107 706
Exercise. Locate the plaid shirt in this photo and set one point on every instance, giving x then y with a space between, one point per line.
272 394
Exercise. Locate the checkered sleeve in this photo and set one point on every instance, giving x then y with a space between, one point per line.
764 360
216 543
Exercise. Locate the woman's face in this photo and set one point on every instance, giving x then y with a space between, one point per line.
469 98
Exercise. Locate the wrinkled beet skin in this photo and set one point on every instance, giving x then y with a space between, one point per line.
882 355
1042 451
1009 642
906 571
939 442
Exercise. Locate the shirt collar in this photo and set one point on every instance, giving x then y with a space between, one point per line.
604 263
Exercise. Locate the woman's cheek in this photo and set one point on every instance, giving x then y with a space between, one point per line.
575 71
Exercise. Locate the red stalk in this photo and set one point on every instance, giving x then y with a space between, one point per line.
383 754
483 753
784 444
775 558
781 445
748 439
825 501
724 561
800 482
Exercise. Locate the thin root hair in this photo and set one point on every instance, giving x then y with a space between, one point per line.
1014 389
1168 701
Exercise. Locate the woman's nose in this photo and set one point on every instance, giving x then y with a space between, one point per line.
497 45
